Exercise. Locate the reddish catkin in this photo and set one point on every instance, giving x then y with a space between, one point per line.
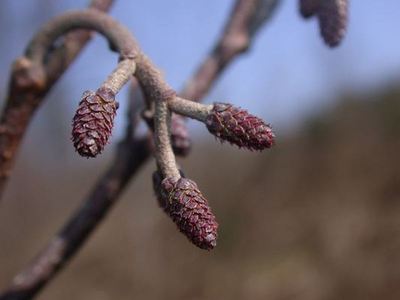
308 8
238 127
93 122
180 138
332 16
187 207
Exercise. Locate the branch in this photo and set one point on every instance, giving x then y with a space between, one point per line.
164 154
189 108
118 36
27 90
119 76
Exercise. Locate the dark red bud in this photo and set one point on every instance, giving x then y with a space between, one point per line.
308 8
180 138
93 122
184 203
332 15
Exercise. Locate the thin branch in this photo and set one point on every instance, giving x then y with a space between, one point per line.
27 92
189 108
120 76
118 36
164 154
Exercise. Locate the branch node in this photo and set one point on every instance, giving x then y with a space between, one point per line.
28 76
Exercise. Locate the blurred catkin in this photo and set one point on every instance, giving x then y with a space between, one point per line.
332 16
308 8
180 138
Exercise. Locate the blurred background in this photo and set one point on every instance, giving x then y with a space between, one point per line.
317 217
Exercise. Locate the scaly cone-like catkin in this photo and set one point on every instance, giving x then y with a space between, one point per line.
93 122
308 8
238 127
184 203
332 15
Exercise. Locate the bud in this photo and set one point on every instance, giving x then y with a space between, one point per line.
238 127
180 138
184 203
308 8
93 122
332 15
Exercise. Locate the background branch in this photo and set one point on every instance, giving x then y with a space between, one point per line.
246 18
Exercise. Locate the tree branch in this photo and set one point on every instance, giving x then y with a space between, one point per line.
117 79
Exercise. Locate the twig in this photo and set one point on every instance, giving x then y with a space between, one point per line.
120 75
189 109
114 181
27 90
164 154
118 36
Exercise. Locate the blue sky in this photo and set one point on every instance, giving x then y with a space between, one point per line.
289 73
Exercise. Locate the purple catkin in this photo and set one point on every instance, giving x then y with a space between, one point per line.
187 207
308 8
238 127
332 15
93 122
180 138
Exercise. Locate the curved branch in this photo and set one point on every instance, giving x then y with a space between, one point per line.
117 35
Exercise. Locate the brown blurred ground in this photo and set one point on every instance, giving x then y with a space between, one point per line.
318 217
